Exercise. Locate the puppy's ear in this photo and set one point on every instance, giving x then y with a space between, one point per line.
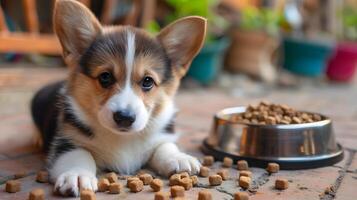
76 28
182 41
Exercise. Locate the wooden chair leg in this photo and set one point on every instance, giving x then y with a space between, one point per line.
106 17
148 12
31 17
3 26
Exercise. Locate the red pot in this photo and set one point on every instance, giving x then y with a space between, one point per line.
342 64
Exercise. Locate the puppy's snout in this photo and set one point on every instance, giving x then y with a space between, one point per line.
124 119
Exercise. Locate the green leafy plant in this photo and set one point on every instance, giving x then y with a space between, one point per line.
261 19
349 22
203 8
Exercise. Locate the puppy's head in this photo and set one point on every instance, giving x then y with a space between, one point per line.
121 76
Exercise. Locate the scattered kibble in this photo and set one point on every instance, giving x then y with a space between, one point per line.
204 195
112 177
244 182
20 174
103 185
208 160
273 167
242 165
245 173
224 174
184 175
194 180
130 179
136 186
186 183
241 196
156 184
87 195
115 188
13 186
42 177
174 179
281 184
177 191
227 162
204 171
162 196
146 178
215 180
37 194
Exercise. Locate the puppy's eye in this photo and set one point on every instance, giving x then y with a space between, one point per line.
147 83
106 79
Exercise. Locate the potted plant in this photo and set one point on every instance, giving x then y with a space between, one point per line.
208 62
305 49
342 64
255 39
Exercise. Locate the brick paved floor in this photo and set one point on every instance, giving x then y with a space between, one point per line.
18 137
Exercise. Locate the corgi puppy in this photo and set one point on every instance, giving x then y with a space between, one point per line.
116 109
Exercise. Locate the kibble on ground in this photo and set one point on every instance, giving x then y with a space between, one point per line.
204 195
194 180
244 182
273 167
146 178
42 177
208 160
103 185
215 180
281 184
204 171
227 162
174 179
112 177
162 196
115 188
130 179
156 185
245 173
136 186
177 191
13 186
241 196
186 183
37 194
224 174
242 165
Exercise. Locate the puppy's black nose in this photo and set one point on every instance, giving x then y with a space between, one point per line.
124 119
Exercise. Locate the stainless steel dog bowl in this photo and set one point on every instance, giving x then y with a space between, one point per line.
294 146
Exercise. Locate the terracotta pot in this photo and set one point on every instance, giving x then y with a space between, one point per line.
252 53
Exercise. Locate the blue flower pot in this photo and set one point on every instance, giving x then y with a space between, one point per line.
308 58
208 62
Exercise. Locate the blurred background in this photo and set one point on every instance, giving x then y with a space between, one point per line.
254 49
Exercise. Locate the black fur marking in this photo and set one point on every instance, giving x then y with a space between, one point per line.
62 146
170 127
106 46
45 109
71 119
59 147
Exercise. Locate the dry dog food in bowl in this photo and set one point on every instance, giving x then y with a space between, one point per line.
270 114
279 134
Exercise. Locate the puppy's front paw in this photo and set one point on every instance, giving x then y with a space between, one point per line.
179 162
70 182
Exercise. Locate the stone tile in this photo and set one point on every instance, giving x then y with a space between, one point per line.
347 189
353 166
30 163
303 184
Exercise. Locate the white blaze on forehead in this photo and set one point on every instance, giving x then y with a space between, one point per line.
126 99
130 54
